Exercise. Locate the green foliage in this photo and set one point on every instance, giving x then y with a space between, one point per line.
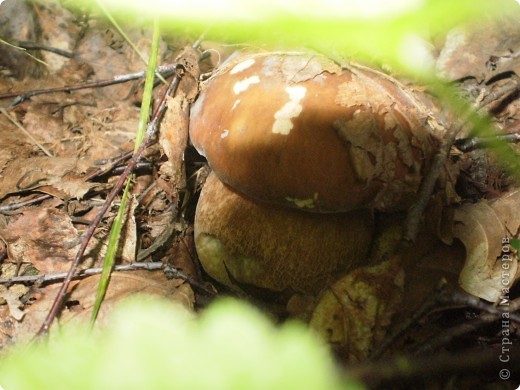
355 28
153 344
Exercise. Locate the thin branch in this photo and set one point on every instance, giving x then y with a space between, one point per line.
447 335
416 211
465 299
441 297
16 205
23 49
22 96
112 163
469 144
170 272
46 278
112 166
383 374
29 45
432 300
501 92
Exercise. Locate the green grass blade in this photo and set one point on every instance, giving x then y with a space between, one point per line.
115 231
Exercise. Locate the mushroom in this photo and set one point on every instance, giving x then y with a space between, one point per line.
264 249
297 129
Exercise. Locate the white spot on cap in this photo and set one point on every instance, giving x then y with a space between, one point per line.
224 134
283 123
242 66
237 102
241 86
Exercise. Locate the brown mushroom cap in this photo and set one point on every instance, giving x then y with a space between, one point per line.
297 129
244 243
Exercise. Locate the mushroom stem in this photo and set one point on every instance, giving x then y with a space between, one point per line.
244 243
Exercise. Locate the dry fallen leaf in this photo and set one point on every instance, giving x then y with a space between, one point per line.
23 174
485 228
174 127
46 238
122 285
58 30
356 311
43 237
81 299
174 139
11 294
13 302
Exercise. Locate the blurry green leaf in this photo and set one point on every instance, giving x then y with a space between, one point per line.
354 28
153 344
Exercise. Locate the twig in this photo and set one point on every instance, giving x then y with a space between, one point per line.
416 211
46 278
158 243
431 301
408 368
16 205
464 299
441 297
171 272
150 133
501 92
38 46
447 335
111 165
175 273
469 144
22 96
22 49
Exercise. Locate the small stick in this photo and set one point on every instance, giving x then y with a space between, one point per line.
505 90
431 301
446 336
45 278
29 45
16 205
416 211
392 372
113 163
439 298
171 272
469 144
22 96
